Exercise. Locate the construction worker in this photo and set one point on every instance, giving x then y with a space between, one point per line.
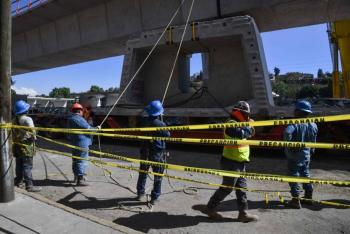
153 151
24 153
234 158
299 158
76 121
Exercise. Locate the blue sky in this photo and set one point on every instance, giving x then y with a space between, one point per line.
303 49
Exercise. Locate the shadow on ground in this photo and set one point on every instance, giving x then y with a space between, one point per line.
94 203
262 206
56 183
145 221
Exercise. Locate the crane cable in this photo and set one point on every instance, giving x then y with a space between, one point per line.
132 79
187 190
143 63
178 52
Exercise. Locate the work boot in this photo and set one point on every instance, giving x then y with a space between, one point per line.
307 199
33 189
81 181
75 180
211 213
19 183
141 197
294 203
154 201
245 217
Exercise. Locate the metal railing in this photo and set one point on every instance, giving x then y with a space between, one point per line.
21 6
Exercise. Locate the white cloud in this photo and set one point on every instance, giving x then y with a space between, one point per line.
25 91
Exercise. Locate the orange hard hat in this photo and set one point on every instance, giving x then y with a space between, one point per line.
77 106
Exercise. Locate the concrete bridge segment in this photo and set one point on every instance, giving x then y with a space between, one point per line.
63 32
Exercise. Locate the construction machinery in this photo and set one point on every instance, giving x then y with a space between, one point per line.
339 34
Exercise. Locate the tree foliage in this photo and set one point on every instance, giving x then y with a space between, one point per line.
320 74
276 71
62 92
294 85
96 89
328 90
113 90
308 91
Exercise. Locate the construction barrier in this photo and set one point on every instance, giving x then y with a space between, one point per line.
261 123
252 176
259 143
288 144
100 163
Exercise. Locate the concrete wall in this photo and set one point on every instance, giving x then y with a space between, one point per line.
234 65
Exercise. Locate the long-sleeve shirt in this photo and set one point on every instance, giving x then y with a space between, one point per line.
81 140
305 132
240 133
157 145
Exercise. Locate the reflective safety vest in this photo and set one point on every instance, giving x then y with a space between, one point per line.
239 153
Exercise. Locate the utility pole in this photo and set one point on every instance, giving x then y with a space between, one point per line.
7 193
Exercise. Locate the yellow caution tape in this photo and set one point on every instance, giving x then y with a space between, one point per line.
6 125
253 176
96 162
260 143
206 126
280 197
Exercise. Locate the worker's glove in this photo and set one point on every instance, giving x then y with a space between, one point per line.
98 127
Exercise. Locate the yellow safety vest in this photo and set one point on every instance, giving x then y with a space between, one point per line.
239 153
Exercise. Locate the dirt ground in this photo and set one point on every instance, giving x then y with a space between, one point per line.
178 210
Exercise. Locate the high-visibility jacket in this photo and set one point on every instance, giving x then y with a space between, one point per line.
239 153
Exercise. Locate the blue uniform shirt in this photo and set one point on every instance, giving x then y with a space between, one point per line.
305 132
157 145
81 140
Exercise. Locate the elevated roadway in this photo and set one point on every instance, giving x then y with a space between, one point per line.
63 32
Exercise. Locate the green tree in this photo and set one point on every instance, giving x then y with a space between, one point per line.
328 75
280 88
327 91
113 90
62 92
95 89
308 91
320 74
276 71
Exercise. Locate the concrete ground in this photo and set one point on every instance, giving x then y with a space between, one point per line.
31 213
178 210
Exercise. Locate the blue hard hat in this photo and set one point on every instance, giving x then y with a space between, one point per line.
21 107
155 108
303 105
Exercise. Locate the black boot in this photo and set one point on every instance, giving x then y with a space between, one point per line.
307 199
31 188
81 181
19 183
211 213
294 203
245 217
